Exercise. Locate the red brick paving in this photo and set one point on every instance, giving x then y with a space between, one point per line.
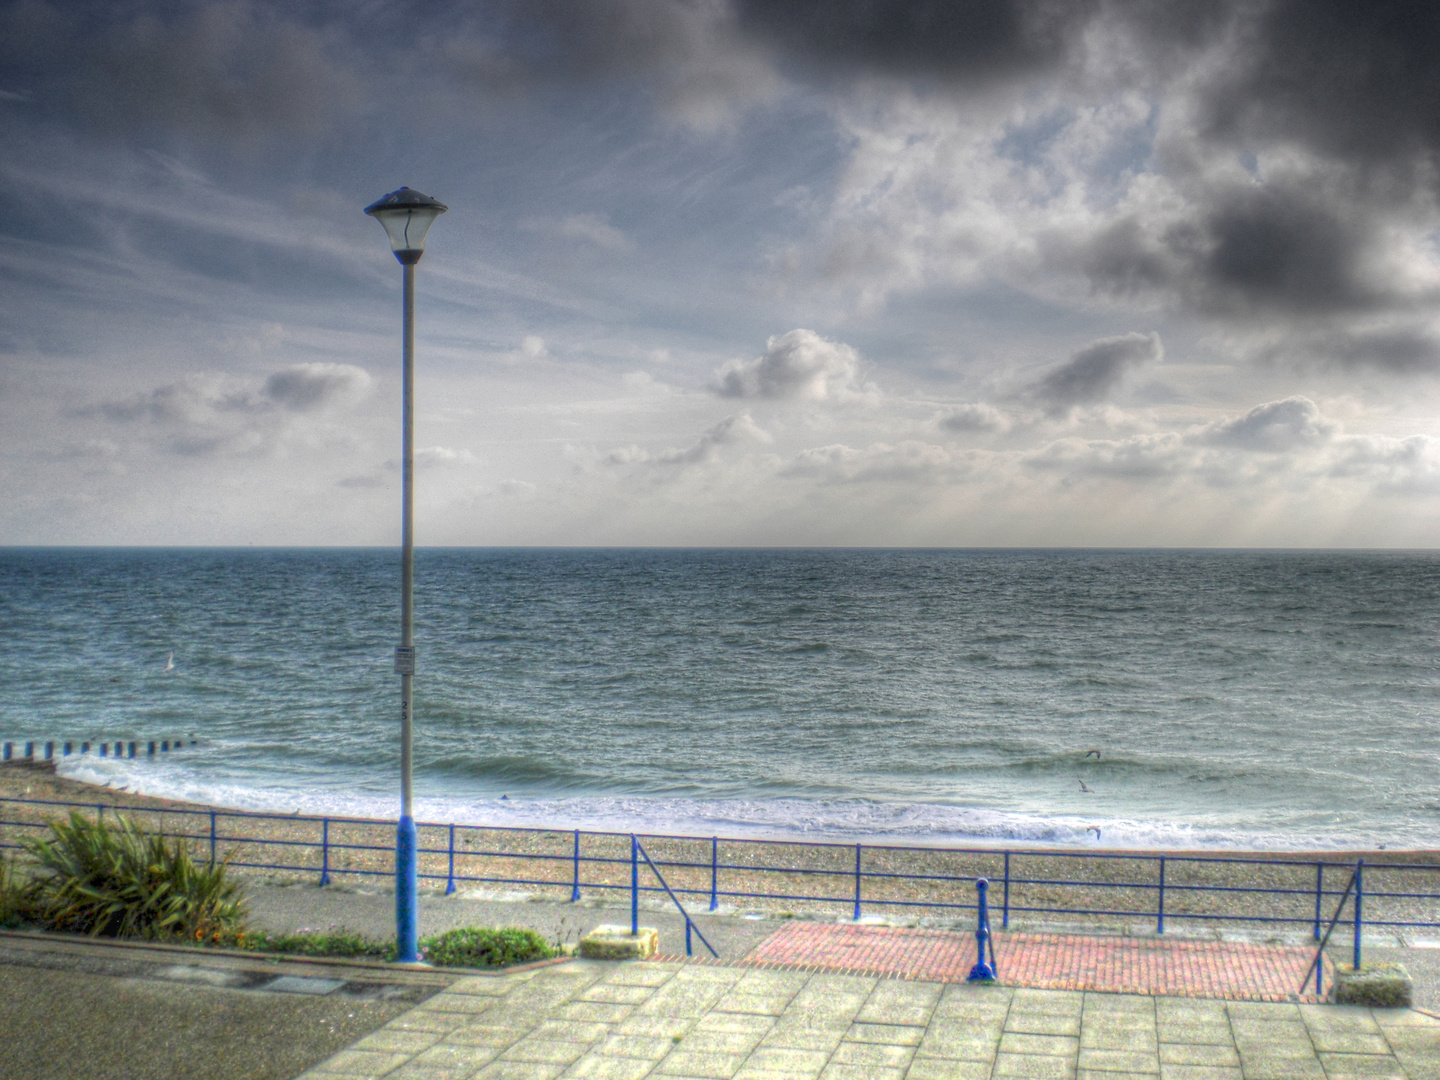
1049 961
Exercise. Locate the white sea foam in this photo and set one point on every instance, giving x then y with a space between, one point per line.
821 821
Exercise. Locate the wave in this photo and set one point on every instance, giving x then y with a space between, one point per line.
866 821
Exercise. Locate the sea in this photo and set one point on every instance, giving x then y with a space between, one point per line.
1147 699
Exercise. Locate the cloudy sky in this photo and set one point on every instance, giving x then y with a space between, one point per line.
835 272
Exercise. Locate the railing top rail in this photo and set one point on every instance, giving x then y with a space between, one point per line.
1327 860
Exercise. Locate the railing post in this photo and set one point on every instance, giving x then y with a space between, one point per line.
324 851
575 884
857 882
1359 892
688 951
634 886
1005 911
982 971
100 813
450 874
714 872
212 839
1319 892
1160 911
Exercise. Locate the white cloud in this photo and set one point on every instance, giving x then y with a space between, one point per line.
800 366
590 228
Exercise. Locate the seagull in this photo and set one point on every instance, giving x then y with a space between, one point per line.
1095 829
1090 791
170 664
1095 752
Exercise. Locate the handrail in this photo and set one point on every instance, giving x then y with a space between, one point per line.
1316 965
634 901
818 872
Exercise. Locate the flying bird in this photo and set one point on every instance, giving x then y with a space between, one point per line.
170 664
1090 791
1095 752
1095 829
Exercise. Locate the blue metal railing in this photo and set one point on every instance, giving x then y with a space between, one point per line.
577 861
637 849
1317 964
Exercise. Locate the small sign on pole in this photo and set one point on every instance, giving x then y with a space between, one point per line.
404 659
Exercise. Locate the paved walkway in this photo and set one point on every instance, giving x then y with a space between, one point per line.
1047 961
668 1020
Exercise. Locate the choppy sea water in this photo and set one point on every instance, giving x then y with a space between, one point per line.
1281 700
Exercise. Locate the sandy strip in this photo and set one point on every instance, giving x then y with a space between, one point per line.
1119 891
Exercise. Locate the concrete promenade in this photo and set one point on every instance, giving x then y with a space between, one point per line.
671 1019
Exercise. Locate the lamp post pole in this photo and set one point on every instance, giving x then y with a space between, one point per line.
407 216
407 883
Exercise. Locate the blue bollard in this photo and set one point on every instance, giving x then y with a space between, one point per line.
982 972
67 749
165 746
104 747
132 749
84 747
49 751
8 750
30 751
152 747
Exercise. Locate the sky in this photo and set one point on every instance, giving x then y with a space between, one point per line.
724 272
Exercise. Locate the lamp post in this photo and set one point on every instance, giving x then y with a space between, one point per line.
407 216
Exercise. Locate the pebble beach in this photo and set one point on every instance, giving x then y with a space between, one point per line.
1260 894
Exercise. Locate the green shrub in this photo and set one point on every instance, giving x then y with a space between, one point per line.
485 947
341 944
112 880
13 902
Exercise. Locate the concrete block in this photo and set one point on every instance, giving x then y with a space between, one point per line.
611 942
1386 986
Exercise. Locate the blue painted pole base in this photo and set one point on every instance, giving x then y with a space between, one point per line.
407 921
981 972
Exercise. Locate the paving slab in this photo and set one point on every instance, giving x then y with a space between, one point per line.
834 1027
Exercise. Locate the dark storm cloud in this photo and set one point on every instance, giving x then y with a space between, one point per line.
966 42
1354 80
226 71
1096 370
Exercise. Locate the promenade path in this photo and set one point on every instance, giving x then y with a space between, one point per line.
788 1011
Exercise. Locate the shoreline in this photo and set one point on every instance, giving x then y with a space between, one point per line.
1107 890
20 775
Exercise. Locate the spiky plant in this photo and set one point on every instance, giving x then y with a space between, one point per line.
113 880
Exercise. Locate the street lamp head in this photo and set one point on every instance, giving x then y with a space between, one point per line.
407 216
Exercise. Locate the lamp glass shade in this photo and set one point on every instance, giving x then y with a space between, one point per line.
407 216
